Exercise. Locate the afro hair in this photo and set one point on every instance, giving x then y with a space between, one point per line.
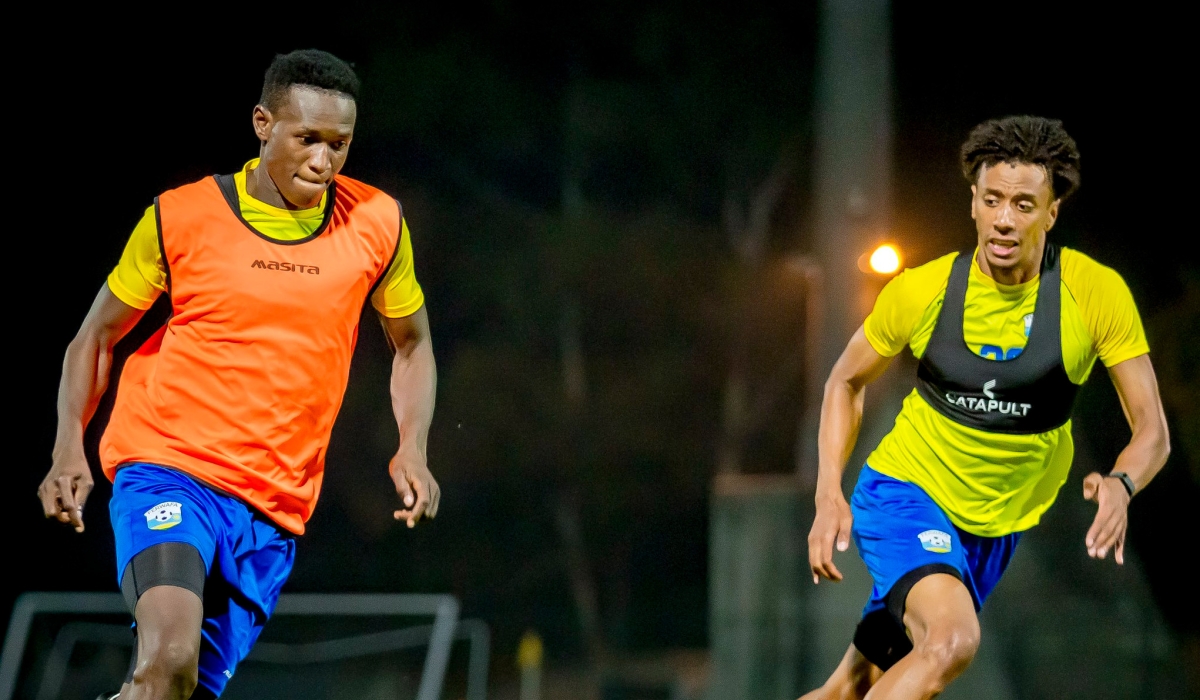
308 67
1024 139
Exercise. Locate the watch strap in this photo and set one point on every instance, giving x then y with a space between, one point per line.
1130 488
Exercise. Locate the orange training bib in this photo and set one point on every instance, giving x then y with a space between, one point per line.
241 387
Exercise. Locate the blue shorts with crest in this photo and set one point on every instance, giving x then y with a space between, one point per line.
246 556
903 536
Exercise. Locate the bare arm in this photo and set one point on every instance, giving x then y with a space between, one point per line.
841 417
413 388
84 379
1141 459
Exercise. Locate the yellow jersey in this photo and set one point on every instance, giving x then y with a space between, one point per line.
140 277
992 484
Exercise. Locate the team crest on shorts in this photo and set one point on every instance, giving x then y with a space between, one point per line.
935 541
164 516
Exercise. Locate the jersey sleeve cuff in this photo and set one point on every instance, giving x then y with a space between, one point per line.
1126 354
877 344
121 292
408 309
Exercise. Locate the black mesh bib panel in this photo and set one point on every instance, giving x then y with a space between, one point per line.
1028 394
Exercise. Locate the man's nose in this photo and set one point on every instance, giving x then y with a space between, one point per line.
1004 219
318 159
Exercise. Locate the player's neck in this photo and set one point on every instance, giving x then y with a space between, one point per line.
1018 274
260 186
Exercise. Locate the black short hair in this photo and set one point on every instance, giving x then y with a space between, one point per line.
309 67
1024 139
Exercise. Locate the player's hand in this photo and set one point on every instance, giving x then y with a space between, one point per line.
830 528
1107 532
65 490
415 485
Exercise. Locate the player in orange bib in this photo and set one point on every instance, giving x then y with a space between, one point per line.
217 442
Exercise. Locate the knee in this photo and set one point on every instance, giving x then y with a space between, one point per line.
951 651
172 665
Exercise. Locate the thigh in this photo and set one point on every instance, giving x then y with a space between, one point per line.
903 537
168 617
939 609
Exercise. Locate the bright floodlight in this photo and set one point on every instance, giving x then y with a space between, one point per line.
885 260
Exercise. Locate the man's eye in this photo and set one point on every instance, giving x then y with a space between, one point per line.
1025 207
991 201
308 140
338 145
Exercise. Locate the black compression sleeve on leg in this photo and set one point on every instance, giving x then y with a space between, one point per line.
167 564
881 636
880 640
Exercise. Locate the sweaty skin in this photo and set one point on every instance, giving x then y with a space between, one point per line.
65 489
413 387
1014 207
305 141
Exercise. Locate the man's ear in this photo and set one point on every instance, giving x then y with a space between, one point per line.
973 190
262 121
1053 214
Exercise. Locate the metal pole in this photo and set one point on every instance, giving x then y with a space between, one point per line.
853 153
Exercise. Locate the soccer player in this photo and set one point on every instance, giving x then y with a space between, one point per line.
1005 336
217 441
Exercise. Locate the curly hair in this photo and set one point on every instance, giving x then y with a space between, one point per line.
310 67
1024 139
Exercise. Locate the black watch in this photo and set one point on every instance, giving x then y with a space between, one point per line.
1125 480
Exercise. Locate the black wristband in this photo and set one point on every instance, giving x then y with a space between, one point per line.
1125 480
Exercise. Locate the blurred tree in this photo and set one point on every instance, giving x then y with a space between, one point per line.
566 197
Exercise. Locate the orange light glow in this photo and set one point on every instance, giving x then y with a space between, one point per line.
885 260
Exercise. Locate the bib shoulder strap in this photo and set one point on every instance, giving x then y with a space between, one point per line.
229 191
950 318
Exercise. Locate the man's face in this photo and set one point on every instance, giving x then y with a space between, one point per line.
305 141
1013 206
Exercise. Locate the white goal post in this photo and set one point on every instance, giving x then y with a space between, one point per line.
439 636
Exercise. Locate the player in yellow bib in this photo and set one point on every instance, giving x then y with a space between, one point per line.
1004 337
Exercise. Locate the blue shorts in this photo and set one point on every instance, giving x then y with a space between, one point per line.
246 557
904 536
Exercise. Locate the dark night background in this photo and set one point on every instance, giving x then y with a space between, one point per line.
488 121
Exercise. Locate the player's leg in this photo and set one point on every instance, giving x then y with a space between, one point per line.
851 680
940 617
878 503
903 538
162 527
168 620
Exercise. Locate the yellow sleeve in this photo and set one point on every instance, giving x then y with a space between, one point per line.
398 293
1107 307
139 276
903 304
